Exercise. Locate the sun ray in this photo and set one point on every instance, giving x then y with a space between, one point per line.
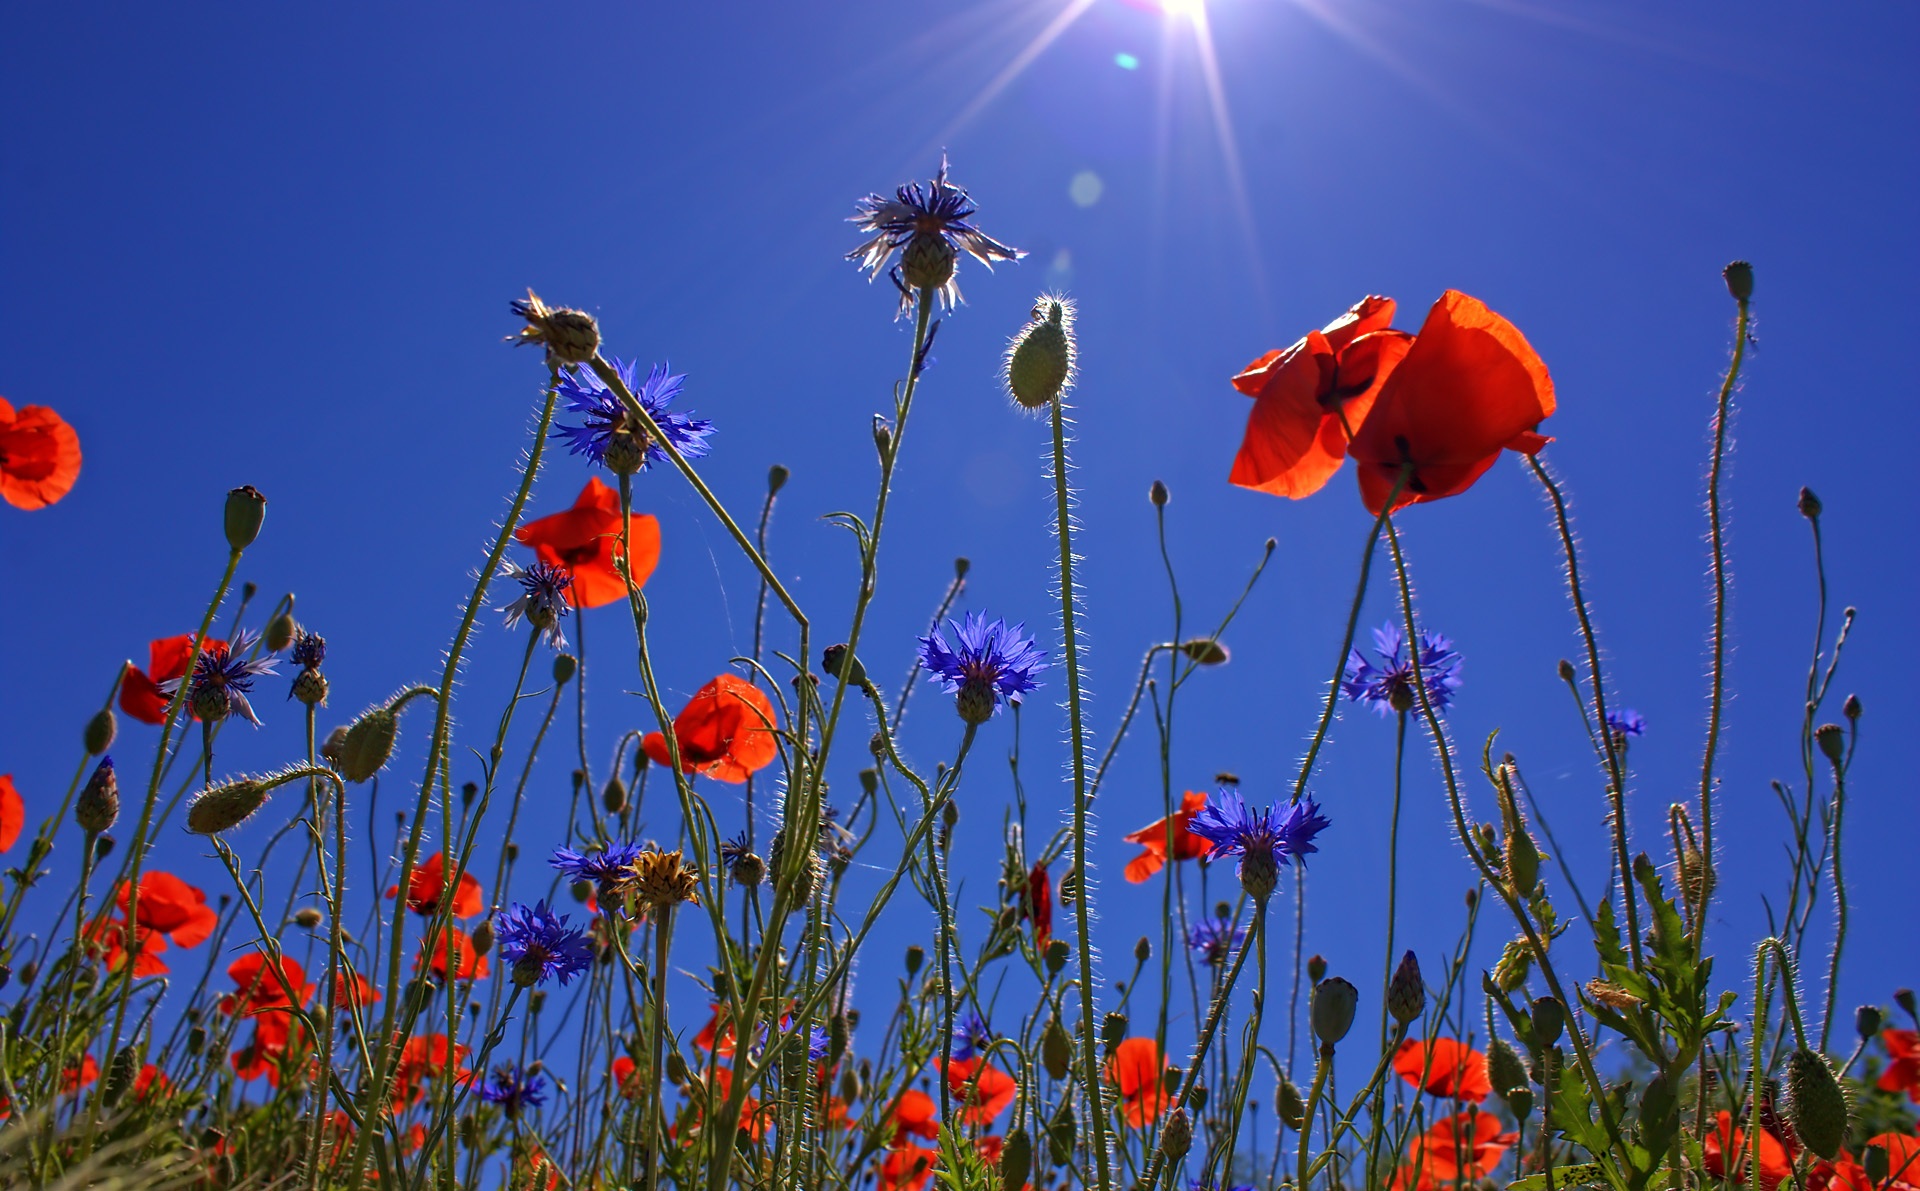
1229 150
1061 22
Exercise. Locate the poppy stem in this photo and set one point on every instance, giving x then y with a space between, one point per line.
1716 531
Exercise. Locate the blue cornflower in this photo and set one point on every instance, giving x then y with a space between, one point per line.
606 868
1627 722
543 599
992 661
1264 840
309 649
1204 1185
540 945
971 1035
931 224
1215 938
735 849
514 1089
222 677
1388 687
611 435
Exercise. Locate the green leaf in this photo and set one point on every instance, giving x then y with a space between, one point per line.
1583 1174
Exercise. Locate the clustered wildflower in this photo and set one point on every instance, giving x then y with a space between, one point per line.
989 663
221 679
611 435
605 868
514 1089
541 946
928 226
543 600
1264 840
1388 686
647 877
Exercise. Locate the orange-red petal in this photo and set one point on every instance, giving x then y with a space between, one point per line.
13 812
585 539
39 456
725 732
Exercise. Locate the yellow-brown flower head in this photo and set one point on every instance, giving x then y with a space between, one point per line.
661 880
570 336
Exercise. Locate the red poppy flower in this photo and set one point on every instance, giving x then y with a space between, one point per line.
1903 1063
726 731
710 1037
1153 838
982 1091
1775 1166
106 940
13 812
1137 1069
623 1078
913 1114
586 541
1455 1071
906 1168
167 657
259 988
172 907
468 963
351 988
75 1078
429 883
1307 397
39 456
1038 906
424 1057
151 1082
720 1081
1843 1175
271 1052
1460 1148
1470 387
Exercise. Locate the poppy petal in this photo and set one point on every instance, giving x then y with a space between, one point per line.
39 456
13 812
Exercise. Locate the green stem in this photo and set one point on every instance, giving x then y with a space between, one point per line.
1717 533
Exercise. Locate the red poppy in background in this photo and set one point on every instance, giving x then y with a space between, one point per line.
981 1090
1903 1062
171 907
268 1053
1455 1071
1137 1069
1470 387
914 1114
623 1078
1306 398
106 940
167 657
726 731
351 988
1462 1148
710 1037
468 963
1037 906
258 990
39 456
1903 1157
13 812
1153 838
75 1078
586 541
424 1057
721 1083
151 1082
1775 1166
906 1168
429 883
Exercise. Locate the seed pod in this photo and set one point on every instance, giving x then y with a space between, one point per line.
1832 739
1016 1159
564 666
1866 1021
1520 1102
1334 1002
1549 1018
280 632
1056 956
98 806
1205 650
916 955
101 730
1040 360
1113 1030
1056 1049
246 509
226 806
1816 1103
1406 993
1739 278
369 744
1176 1134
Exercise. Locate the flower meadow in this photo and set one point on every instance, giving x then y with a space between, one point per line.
449 999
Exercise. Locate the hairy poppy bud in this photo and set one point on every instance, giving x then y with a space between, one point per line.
1157 494
368 744
1522 862
613 795
101 730
1510 970
927 262
1113 1030
1832 739
839 661
1739 278
1334 1002
1176 1134
1056 1049
1505 1071
1316 965
226 806
246 509
1060 1131
777 478
1816 1103
99 803
307 917
280 631
564 667
1205 650
1406 994
1039 365
1867 1021
1056 956
483 937
1016 1159
1810 506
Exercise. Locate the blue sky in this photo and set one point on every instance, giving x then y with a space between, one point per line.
274 245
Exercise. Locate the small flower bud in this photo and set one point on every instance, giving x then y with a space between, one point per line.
1157 494
961 566
1176 1134
1406 994
1039 364
1566 670
564 666
307 917
1259 873
1903 997
748 871
99 803
1810 506
196 1040
103 845
1016 1159
246 509
1334 1002
613 795
974 701
280 632
777 476
368 744
839 661
310 687
1866 1021
1113 1030
1832 739
1505 1071
1056 956
334 747
1816 1103
1851 708
850 1087
483 937
1056 1049
226 806
882 436
101 730
1205 650
1739 278
1520 1102
916 955
1143 950
1549 1018
1316 965
1522 862
1290 1104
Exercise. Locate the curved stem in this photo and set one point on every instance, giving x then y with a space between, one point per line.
1717 532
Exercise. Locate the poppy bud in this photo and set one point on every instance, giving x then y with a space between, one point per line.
1816 1103
850 1087
99 803
1039 364
246 509
483 937
1406 994
1157 494
1851 708
226 806
1866 1021
1739 278
1810 506
1334 1002
1566 670
1016 1159
581 891
1510 970
101 730
1176 1134
1056 956
869 781
1056 1049
368 744
916 955
777 478
1549 1018
119 1077
839 661
1832 739
307 917
28 971
196 1040
333 748
1291 1106
1198 1097
102 847
1316 966
1113 1030
279 633
961 566
1070 887
1060 1131
1505 1071
1523 862
1205 650
536 1001
927 262
1143 950
613 795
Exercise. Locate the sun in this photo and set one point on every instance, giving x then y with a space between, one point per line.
1192 10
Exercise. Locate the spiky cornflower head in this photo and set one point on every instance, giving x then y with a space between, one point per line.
309 686
514 1089
1388 687
1215 938
309 649
1264 840
611 435
990 662
543 599
661 880
222 677
746 869
98 806
928 226
606 868
540 945
971 1035
570 336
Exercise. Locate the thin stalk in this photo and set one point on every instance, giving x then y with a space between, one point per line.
1717 533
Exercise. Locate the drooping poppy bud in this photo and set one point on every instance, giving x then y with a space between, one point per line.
1334 1002
369 744
246 509
1016 1159
777 478
1056 1049
1113 1029
226 806
1291 1105
1867 1021
307 917
280 631
564 666
101 730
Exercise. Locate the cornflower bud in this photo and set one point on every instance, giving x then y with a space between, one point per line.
1334 1002
101 730
1406 994
310 687
99 803
1176 1134
246 509
570 336
1039 363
